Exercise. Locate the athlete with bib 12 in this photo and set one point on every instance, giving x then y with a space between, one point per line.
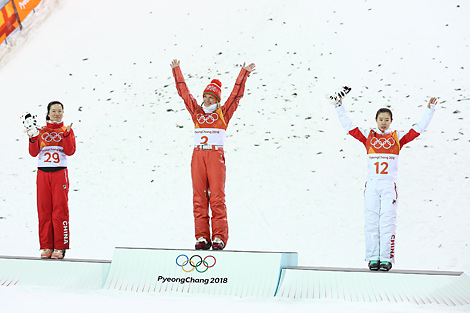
383 146
52 144
208 161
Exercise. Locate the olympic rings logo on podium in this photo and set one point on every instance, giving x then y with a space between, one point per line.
209 119
189 264
386 143
51 136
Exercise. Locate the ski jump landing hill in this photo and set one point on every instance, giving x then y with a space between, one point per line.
234 273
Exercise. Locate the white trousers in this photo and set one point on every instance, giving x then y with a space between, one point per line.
380 211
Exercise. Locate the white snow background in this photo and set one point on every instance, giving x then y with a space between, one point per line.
294 177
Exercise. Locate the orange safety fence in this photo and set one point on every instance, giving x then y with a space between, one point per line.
25 7
9 20
12 14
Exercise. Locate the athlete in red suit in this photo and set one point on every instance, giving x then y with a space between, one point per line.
208 162
52 146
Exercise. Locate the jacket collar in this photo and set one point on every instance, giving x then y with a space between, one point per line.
378 131
54 125
201 110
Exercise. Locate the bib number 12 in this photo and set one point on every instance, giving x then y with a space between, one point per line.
383 166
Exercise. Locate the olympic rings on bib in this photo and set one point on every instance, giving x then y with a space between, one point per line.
209 119
51 136
188 265
385 143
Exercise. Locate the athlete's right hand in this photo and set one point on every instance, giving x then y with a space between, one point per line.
30 125
336 98
175 63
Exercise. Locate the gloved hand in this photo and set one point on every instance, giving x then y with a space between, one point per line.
30 125
337 96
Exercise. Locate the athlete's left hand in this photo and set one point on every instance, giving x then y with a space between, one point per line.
250 67
69 127
175 63
433 100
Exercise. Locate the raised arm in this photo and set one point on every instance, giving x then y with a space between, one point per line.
422 125
237 93
182 88
68 141
428 114
355 131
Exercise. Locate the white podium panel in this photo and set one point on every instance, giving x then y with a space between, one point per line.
362 285
231 273
62 274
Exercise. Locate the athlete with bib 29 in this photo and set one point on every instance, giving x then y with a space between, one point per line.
208 162
52 144
383 147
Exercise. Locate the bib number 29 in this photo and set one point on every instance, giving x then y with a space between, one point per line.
52 157
381 168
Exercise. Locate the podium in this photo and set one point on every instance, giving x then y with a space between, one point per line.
362 285
225 273
254 274
63 274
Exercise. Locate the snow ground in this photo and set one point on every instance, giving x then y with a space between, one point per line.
294 178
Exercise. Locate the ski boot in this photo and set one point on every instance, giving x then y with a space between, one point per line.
374 265
202 244
385 266
218 244
46 253
58 254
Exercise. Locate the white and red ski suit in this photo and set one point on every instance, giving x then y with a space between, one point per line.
208 161
381 194
52 146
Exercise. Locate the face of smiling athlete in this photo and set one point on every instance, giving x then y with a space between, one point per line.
383 121
56 112
209 100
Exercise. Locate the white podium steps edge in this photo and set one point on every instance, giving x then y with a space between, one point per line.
366 270
184 271
348 284
9 257
193 250
72 274
362 285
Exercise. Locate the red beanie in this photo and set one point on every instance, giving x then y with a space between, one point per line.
214 89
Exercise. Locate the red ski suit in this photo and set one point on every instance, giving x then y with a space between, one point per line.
208 162
52 145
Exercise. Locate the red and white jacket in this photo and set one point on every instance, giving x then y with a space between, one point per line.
383 148
210 127
53 144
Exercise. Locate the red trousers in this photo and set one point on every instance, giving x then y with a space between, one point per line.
208 175
53 210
